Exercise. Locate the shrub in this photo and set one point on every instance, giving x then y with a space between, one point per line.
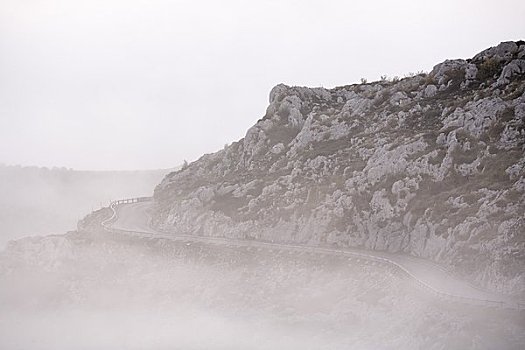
456 77
455 74
488 69
430 80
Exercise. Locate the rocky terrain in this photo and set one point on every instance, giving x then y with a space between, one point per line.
431 165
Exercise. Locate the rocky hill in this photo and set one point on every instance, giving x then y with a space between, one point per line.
431 165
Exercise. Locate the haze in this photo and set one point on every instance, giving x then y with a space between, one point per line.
41 201
378 215
135 84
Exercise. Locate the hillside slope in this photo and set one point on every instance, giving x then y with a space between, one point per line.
431 165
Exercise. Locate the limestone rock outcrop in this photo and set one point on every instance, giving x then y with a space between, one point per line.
431 165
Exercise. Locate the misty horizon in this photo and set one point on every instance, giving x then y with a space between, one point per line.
63 168
263 175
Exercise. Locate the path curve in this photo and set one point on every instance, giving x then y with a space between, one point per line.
135 219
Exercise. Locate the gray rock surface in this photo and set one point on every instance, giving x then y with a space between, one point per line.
431 165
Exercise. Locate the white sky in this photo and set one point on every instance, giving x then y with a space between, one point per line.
130 84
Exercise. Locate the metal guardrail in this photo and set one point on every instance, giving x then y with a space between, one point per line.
258 244
131 200
106 223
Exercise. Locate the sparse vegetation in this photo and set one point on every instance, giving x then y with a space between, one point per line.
488 69
430 80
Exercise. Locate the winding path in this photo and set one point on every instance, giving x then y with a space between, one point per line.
134 218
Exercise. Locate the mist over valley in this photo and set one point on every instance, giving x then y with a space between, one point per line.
337 175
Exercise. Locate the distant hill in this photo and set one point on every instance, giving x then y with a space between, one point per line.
39 201
431 165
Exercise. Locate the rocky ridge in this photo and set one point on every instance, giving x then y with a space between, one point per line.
431 165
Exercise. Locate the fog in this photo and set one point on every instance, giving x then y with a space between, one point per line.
93 93
41 201
135 293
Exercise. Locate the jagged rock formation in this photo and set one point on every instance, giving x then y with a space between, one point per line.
432 165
